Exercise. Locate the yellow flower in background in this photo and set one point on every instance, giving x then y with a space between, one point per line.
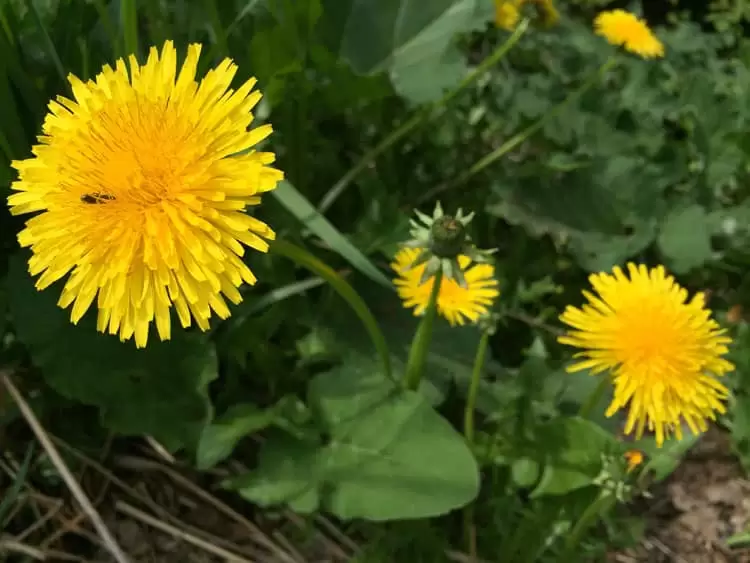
457 304
634 459
139 190
626 30
662 350
507 13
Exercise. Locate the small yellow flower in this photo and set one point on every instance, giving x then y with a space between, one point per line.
634 459
662 351
507 13
139 186
457 304
624 29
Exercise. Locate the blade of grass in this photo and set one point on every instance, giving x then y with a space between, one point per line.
129 23
109 27
299 206
48 44
303 258
10 496
219 31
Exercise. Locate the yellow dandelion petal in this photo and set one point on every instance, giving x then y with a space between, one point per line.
507 13
139 194
626 30
457 304
663 350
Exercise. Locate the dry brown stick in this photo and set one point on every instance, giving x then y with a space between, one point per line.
338 534
140 464
54 456
14 545
330 544
178 533
51 513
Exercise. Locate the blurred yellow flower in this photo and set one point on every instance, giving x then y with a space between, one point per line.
624 29
139 185
457 304
508 12
663 352
634 459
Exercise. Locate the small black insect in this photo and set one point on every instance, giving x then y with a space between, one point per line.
96 197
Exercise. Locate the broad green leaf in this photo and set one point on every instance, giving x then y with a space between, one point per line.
159 390
574 456
685 238
374 34
221 436
388 455
428 80
391 456
299 206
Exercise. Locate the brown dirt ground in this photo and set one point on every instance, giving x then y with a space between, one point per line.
705 501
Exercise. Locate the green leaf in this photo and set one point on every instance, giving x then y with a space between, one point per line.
575 448
299 206
685 238
375 34
220 437
159 390
389 455
428 80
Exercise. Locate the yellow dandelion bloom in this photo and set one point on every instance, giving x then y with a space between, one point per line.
457 304
624 29
507 13
634 458
139 186
662 350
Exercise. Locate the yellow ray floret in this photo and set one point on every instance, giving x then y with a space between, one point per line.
625 30
140 185
663 351
457 304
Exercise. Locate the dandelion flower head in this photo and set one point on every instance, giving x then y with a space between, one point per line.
139 186
507 13
663 351
457 304
626 30
633 458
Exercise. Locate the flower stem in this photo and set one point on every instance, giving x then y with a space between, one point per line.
418 119
303 258
421 342
522 136
593 399
599 506
469 410
476 376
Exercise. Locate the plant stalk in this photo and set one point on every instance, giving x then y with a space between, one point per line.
421 343
594 397
599 506
419 118
476 377
522 136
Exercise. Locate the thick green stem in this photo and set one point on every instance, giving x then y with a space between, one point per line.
522 136
601 505
346 291
476 377
593 399
419 118
421 343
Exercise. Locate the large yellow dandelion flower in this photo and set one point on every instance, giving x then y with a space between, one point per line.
140 183
457 304
662 350
624 29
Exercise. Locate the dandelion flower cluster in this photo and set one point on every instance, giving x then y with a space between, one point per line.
663 351
139 186
457 304
626 30
508 12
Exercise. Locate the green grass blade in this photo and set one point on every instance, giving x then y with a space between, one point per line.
48 44
303 258
109 26
129 22
299 206
10 496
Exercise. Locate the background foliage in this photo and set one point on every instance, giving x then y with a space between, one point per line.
650 163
